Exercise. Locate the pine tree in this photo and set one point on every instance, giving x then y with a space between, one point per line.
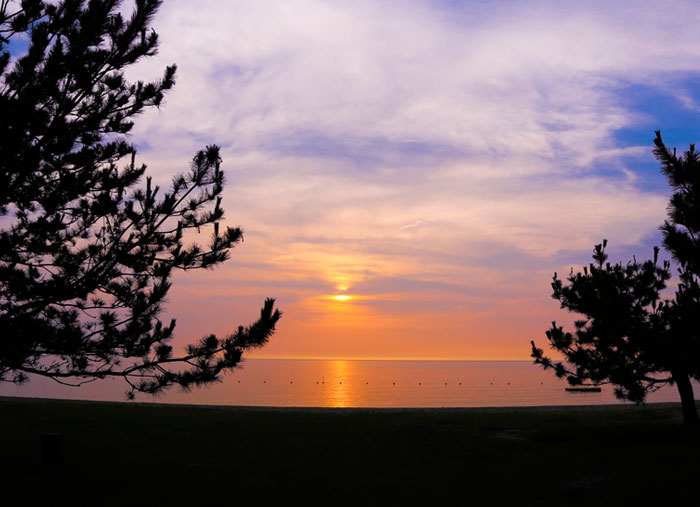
86 250
633 336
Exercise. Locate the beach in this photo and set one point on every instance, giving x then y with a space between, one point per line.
166 454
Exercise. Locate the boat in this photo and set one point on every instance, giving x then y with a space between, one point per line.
584 389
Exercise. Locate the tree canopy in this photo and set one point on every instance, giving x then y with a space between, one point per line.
86 249
633 334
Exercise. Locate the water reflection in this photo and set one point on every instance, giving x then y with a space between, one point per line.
349 383
337 391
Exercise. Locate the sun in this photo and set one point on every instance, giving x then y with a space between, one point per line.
341 297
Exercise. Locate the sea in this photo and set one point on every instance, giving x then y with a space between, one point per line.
358 383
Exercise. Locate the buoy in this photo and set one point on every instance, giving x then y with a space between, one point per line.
460 383
291 382
445 383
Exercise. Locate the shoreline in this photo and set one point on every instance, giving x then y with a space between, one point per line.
358 410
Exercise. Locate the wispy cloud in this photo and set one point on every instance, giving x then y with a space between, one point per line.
435 143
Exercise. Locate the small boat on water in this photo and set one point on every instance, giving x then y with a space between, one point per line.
583 389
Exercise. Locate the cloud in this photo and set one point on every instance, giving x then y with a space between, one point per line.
432 142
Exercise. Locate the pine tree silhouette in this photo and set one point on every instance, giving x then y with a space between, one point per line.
632 336
86 253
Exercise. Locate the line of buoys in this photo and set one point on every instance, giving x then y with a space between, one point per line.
367 383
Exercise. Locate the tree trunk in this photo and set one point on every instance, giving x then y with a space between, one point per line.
685 389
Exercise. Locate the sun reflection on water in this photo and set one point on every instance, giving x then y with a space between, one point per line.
338 394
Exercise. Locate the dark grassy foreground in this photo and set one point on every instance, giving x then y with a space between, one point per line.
134 454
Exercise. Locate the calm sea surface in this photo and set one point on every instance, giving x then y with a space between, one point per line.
356 383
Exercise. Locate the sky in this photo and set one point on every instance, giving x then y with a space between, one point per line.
434 161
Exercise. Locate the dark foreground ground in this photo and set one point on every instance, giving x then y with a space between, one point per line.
144 454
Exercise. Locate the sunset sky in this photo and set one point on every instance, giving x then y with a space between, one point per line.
434 161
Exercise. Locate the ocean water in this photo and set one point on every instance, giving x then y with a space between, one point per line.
360 383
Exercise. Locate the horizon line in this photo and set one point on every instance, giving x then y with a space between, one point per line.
378 359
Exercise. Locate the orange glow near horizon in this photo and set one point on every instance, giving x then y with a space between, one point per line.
350 305
433 323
